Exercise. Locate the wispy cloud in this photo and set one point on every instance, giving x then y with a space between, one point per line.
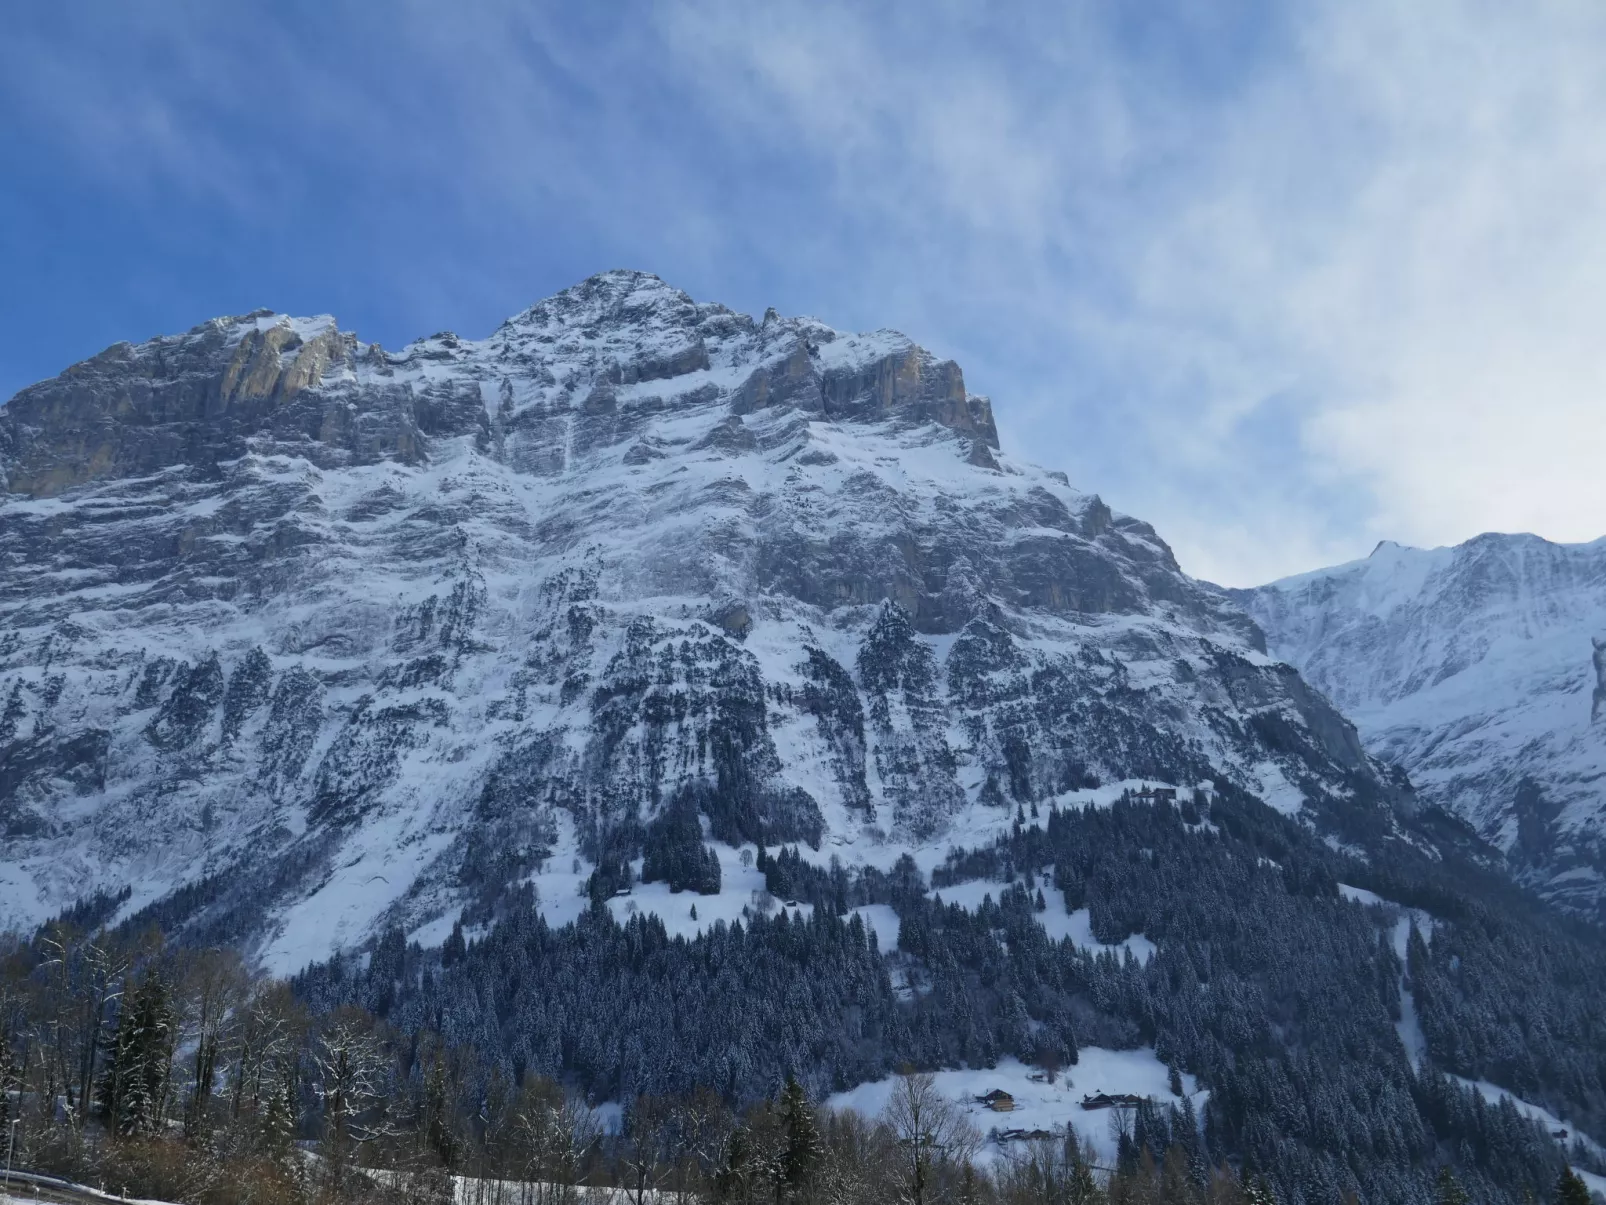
1283 279
1350 294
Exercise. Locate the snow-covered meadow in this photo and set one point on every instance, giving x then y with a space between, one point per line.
1040 1105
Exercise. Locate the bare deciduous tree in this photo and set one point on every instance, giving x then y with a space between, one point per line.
550 1132
349 1061
1058 1171
646 1153
931 1130
212 984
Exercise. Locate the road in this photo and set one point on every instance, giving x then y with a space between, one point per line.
25 1188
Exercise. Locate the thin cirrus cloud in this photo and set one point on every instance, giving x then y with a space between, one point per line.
1284 280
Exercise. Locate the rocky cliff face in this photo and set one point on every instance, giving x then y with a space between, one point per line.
327 636
1480 669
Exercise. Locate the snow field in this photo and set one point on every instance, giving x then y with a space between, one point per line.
1055 920
881 920
560 887
739 887
976 827
1408 1026
381 866
1494 1094
1039 1104
1595 1184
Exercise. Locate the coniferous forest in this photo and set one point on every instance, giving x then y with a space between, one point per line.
601 1057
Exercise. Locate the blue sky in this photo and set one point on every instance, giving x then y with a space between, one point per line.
1282 279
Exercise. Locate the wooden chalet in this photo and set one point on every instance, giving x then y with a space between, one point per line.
998 1101
1112 1100
1148 794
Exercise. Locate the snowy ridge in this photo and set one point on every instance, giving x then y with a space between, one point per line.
1480 669
337 637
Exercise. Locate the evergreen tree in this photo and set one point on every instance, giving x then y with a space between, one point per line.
134 1088
804 1149
453 949
733 1181
1081 1188
673 852
278 1120
1571 1189
1258 1192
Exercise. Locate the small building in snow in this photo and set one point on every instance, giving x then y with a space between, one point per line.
1148 794
998 1101
1112 1100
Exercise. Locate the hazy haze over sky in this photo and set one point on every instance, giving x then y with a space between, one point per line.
1282 279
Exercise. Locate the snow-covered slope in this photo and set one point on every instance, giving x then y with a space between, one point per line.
1482 670
334 636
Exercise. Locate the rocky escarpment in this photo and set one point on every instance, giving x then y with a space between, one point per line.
330 635
1480 669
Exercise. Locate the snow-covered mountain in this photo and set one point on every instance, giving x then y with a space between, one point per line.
328 636
1481 669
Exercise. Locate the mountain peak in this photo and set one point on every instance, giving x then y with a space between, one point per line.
375 611
1472 666
616 293
610 354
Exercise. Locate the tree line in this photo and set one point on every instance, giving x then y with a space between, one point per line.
175 1074
1279 994
496 1057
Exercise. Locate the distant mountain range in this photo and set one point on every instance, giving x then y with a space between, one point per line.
1480 669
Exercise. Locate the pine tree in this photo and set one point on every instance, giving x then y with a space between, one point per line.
1080 1186
1257 1191
804 1148
1449 1190
279 1119
133 1093
1571 1189
438 1103
454 947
